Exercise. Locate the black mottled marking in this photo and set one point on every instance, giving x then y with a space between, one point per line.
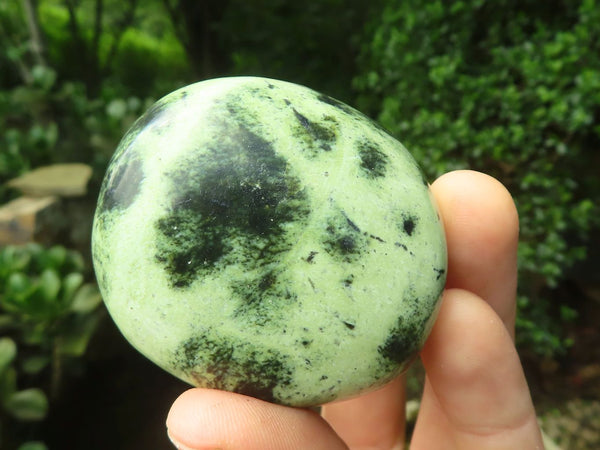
267 281
346 244
338 104
303 121
354 113
306 342
402 342
316 135
343 238
409 223
234 365
404 247
351 223
377 238
440 273
401 245
348 280
239 189
255 293
373 162
311 257
121 184
349 325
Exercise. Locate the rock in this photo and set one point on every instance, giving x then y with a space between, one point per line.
26 219
256 236
63 180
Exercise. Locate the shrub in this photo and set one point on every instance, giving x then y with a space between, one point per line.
510 88
47 316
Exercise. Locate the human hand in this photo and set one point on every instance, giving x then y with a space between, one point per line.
475 396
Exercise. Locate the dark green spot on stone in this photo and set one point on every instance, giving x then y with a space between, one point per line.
343 238
349 325
237 190
318 135
409 224
121 184
220 363
402 342
373 161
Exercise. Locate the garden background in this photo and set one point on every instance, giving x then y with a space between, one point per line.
507 87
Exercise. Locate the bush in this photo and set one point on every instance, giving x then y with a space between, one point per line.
47 316
510 88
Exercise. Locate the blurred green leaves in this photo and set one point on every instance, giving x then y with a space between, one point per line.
43 295
510 88
49 314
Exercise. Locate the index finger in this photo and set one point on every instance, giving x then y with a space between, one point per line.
482 243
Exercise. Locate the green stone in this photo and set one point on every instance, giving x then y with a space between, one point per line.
256 236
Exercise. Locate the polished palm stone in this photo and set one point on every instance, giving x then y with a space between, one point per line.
256 236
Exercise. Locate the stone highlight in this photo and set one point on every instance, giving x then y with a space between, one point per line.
256 236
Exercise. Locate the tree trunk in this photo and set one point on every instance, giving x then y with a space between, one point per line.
38 45
196 24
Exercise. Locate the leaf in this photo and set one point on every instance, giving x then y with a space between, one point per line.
8 383
75 340
7 321
35 364
33 445
18 284
86 299
53 258
71 283
43 76
49 285
8 351
27 405
117 108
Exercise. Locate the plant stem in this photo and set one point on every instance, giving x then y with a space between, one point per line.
56 377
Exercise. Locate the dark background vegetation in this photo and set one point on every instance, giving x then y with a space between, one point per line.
507 87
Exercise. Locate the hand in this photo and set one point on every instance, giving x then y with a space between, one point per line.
475 396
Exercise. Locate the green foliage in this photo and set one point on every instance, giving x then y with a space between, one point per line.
510 88
149 65
47 112
44 298
49 314
311 43
139 57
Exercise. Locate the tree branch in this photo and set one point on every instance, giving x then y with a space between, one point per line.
176 21
38 47
73 25
97 30
125 23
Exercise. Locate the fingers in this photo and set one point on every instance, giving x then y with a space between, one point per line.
374 420
476 395
481 226
202 419
482 232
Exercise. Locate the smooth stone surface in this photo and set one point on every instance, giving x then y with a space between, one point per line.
256 236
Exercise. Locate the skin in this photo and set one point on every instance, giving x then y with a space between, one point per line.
475 396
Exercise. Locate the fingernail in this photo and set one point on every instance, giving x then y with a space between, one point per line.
177 445
180 446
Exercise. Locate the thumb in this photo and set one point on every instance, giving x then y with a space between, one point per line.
207 419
